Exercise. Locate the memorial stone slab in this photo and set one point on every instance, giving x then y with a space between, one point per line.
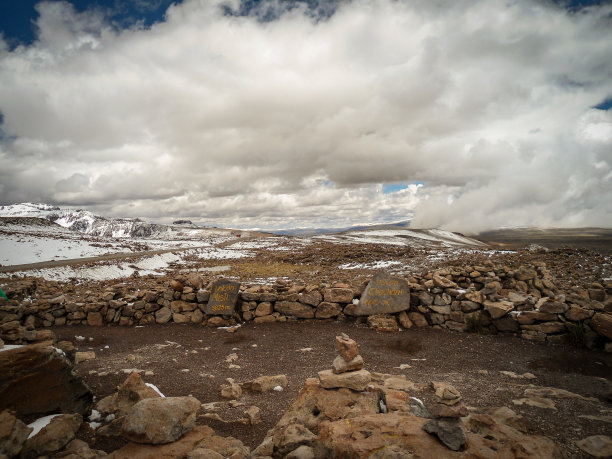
384 295
223 298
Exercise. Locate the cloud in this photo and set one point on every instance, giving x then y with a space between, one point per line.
247 119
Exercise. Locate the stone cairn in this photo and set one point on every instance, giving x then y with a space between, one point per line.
347 368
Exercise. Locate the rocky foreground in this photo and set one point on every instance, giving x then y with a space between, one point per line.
346 411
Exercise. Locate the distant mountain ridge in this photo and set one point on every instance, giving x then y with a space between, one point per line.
405 224
92 224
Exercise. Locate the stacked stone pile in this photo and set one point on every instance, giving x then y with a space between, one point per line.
347 368
523 300
387 419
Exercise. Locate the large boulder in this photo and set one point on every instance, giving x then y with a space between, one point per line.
379 436
26 370
160 420
130 392
53 437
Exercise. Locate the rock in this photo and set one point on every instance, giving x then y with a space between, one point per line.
339 365
312 298
315 404
596 445
160 420
13 434
553 392
295 309
449 431
180 307
547 327
392 435
163 315
488 437
231 390
200 437
383 323
176 285
404 320
264 309
326 310
475 296
551 306
94 319
397 400
401 383
383 295
265 319
203 453
442 282
338 295
195 281
355 380
226 446
302 452
523 274
253 414
418 319
265 448
129 392
290 437
25 370
602 324
346 347
441 410
445 393
218 321
78 449
53 437
84 356
498 309
577 314
538 402
268 383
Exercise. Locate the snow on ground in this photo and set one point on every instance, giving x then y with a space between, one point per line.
20 245
40 423
154 265
374 265
402 237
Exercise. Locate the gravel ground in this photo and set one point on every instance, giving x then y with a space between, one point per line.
193 360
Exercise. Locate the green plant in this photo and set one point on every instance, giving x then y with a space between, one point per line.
474 323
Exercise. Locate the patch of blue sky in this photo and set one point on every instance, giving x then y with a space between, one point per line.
393 187
17 16
605 105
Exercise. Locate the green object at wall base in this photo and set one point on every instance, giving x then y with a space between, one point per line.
3 295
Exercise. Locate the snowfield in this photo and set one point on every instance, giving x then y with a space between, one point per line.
39 233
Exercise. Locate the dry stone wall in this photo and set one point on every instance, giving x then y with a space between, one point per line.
485 299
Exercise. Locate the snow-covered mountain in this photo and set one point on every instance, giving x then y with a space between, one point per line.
95 225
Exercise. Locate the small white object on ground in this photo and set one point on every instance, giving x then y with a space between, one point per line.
278 388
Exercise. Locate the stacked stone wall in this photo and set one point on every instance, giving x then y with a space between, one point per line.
485 299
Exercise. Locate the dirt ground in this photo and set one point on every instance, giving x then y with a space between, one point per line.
193 360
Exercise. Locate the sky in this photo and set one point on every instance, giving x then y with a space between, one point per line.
463 115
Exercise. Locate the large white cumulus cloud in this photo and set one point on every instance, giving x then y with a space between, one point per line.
298 122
